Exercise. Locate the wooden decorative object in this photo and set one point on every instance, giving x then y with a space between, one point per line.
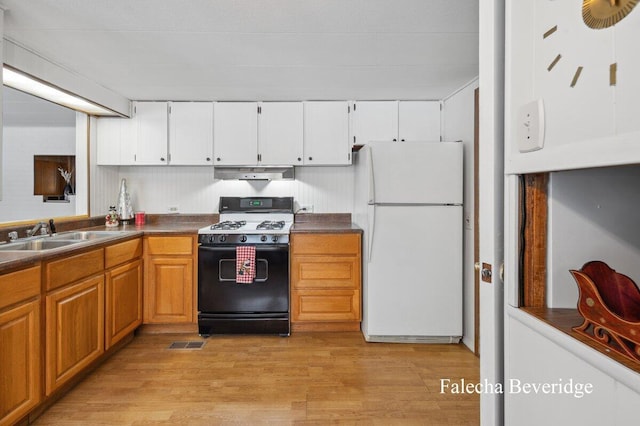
610 305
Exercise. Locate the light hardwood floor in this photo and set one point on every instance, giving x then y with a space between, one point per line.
308 378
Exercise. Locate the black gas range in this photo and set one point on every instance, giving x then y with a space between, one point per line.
243 268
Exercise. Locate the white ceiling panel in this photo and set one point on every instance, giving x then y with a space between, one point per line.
268 49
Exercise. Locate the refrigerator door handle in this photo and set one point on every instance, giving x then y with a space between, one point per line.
372 189
372 228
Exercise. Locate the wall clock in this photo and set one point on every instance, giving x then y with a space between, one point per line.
596 15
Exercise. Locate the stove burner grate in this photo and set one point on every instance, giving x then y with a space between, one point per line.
229 224
271 224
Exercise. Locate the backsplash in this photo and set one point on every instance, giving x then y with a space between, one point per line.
194 190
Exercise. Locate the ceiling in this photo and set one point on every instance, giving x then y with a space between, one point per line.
256 49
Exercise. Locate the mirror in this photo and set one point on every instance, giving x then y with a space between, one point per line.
36 127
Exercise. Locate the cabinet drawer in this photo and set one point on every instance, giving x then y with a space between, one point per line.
19 285
122 252
321 305
325 244
325 272
169 245
73 268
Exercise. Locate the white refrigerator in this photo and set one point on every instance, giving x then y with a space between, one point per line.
409 204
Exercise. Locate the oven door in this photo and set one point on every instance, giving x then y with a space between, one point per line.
219 293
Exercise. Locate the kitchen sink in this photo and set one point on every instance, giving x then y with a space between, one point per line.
37 245
86 235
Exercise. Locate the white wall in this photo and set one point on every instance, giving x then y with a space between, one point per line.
592 216
458 124
19 146
194 190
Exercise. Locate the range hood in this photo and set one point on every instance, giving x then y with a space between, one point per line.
253 173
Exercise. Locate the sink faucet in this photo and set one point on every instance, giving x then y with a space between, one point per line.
40 226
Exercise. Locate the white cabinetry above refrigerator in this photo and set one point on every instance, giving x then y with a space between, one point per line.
397 121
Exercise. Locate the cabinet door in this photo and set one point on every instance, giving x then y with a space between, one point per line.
168 290
20 366
74 330
123 296
326 133
235 133
116 141
280 133
151 123
419 121
375 121
191 133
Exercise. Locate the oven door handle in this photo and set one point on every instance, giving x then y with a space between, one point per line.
270 247
256 279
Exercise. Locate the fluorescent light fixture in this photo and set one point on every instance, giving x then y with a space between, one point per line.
35 87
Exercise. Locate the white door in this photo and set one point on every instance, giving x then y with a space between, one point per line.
151 122
191 133
419 121
235 133
491 195
414 283
326 134
280 133
375 121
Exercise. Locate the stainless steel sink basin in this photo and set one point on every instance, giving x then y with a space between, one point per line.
86 235
37 245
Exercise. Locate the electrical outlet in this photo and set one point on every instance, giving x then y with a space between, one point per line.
531 126
307 208
173 209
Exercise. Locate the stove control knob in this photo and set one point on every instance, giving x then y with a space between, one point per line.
223 238
274 238
263 238
211 238
243 239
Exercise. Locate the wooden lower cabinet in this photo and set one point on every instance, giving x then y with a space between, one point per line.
123 299
326 281
20 343
74 329
169 290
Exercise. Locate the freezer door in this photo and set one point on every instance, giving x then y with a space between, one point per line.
415 172
413 282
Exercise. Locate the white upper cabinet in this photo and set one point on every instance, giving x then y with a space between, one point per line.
191 133
115 141
396 121
151 122
251 133
235 133
280 133
375 121
326 133
418 121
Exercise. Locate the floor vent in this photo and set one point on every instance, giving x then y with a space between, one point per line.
187 345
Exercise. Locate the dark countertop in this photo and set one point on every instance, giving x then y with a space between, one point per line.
165 225
324 227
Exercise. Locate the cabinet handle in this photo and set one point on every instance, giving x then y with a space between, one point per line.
208 158
395 140
299 159
310 158
401 140
161 158
218 159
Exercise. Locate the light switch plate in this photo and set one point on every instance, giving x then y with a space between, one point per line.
531 126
